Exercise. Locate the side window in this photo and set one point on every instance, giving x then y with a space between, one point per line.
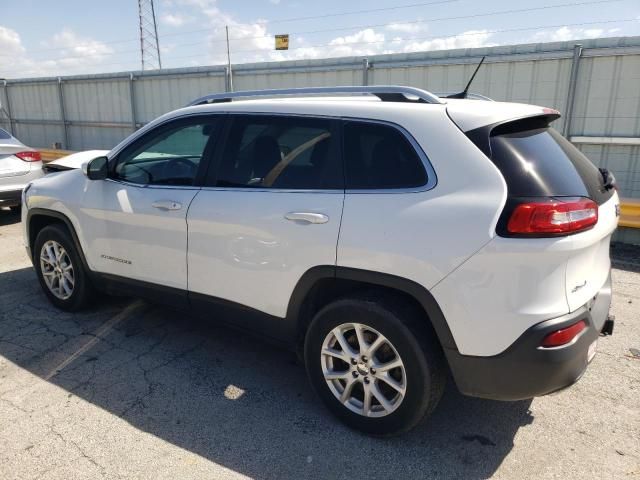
281 153
379 156
170 155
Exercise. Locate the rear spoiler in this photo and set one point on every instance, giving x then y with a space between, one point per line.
481 136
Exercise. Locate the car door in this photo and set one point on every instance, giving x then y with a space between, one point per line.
269 212
135 221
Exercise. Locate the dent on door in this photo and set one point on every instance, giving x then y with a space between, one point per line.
243 247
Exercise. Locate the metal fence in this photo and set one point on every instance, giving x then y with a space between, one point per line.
596 85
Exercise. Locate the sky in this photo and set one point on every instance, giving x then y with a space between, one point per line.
73 37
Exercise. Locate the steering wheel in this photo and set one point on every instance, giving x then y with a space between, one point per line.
179 168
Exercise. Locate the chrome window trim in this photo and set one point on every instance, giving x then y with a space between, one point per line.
432 179
156 187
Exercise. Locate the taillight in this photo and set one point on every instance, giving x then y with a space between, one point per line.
564 335
553 216
29 156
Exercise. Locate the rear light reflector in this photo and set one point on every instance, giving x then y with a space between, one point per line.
564 335
29 156
553 216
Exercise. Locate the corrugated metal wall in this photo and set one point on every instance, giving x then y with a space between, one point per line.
97 111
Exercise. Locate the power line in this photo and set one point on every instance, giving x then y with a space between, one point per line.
190 32
439 19
119 52
354 12
464 34
360 27
393 40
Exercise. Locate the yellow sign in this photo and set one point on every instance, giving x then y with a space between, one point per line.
282 42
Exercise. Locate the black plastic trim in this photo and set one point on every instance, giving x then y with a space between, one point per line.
415 290
34 212
10 198
270 327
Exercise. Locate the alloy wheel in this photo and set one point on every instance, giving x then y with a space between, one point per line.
363 370
57 269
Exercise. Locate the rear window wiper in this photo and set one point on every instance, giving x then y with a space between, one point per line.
608 180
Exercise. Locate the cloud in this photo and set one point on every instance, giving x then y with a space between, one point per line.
254 42
564 34
74 45
275 2
406 27
175 19
10 43
73 55
364 42
468 39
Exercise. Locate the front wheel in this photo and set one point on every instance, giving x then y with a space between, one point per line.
374 364
60 269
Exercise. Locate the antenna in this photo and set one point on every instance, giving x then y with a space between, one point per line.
149 45
463 94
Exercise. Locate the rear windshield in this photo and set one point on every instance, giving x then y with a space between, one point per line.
539 162
4 135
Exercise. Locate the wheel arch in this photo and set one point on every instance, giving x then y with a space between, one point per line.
322 284
39 218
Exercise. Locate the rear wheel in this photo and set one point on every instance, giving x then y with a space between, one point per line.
60 269
374 365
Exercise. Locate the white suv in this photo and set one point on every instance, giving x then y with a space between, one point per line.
389 238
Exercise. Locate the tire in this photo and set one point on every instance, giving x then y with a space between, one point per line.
419 381
81 291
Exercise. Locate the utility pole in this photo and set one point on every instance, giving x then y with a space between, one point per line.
229 61
149 43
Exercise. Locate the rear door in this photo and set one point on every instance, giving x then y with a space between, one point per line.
537 162
270 211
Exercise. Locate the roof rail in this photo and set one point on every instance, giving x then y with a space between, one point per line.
386 93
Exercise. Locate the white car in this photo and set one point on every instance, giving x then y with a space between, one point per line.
388 235
19 165
75 160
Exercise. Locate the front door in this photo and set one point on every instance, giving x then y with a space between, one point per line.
135 221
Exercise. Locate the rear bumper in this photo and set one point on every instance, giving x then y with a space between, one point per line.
524 370
10 198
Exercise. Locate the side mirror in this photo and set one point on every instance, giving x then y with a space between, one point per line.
96 169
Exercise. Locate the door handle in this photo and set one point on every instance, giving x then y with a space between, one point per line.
166 205
307 217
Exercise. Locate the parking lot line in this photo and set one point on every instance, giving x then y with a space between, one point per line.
98 335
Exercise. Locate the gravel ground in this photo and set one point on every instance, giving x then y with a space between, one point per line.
131 390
